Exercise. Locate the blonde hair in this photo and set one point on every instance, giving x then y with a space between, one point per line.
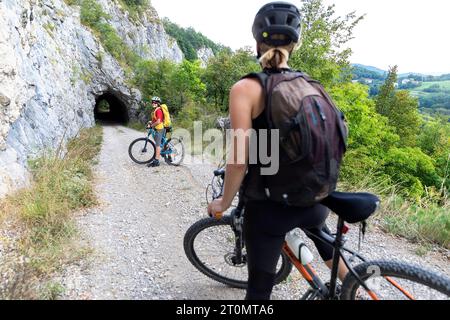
274 57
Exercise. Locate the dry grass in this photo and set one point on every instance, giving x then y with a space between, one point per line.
426 222
42 214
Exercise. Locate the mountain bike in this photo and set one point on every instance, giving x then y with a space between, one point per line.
143 150
216 247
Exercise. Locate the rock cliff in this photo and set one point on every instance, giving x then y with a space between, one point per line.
54 71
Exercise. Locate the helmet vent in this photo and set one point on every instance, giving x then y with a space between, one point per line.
272 20
289 20
282 6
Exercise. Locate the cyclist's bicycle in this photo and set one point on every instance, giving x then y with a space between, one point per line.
216 247
143 150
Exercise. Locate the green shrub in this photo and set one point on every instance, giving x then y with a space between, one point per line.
62 182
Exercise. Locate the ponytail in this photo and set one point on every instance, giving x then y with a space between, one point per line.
273 58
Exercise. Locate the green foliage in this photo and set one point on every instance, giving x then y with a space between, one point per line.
224 70
136 3
434 96
400 108
52 291
62 182
135 7
411 169
425 223
361 72
323 54
404 116
186 82
385 98
190 40
154 78
367 128
369 133
434 140
73 2
376 147
92 15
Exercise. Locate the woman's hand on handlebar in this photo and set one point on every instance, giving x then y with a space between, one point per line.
216 209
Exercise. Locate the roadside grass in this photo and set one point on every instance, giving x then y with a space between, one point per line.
43 213
426 222
139 126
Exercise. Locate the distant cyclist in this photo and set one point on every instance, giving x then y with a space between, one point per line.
157 123
276 30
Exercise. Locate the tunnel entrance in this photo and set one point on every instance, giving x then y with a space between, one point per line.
110 109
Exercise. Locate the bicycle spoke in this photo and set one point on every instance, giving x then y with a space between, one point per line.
141 151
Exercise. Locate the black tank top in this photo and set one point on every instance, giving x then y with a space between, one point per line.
253 186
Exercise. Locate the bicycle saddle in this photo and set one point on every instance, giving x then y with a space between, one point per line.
219 173
352 207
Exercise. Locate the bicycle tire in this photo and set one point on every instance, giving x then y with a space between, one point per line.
179 160
189 247
150 144
404 271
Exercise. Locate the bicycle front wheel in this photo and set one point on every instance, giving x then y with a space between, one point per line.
209 245
142 151
390 280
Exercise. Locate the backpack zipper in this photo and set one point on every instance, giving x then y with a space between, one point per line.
327 143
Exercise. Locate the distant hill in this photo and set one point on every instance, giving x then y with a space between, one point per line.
433 92
370 68
189 40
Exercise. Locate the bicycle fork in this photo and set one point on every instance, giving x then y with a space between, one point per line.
237 224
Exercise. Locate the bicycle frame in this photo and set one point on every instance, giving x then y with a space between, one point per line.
307 271
309 274
151 133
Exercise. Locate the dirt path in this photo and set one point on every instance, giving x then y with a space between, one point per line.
137 234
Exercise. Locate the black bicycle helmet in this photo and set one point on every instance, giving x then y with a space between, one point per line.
277 18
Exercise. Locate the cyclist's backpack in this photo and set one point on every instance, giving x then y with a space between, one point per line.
167 120
313 136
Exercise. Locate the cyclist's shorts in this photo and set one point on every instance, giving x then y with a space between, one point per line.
158 137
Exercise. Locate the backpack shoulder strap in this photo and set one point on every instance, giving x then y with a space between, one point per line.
262 77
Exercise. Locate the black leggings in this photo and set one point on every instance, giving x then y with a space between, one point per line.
265 226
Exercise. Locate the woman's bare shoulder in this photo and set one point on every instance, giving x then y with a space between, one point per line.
249 87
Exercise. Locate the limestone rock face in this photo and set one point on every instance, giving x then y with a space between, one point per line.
53 71
204 54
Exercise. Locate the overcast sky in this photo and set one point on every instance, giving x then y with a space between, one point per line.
414 34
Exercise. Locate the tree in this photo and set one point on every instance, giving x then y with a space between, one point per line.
404 116
187 84
400 108
386 94
224 70
369 132
411 169
323 54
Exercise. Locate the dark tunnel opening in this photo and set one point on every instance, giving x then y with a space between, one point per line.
110 109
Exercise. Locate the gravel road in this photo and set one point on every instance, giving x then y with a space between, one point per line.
137 234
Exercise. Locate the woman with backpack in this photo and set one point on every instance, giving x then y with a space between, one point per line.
276 30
